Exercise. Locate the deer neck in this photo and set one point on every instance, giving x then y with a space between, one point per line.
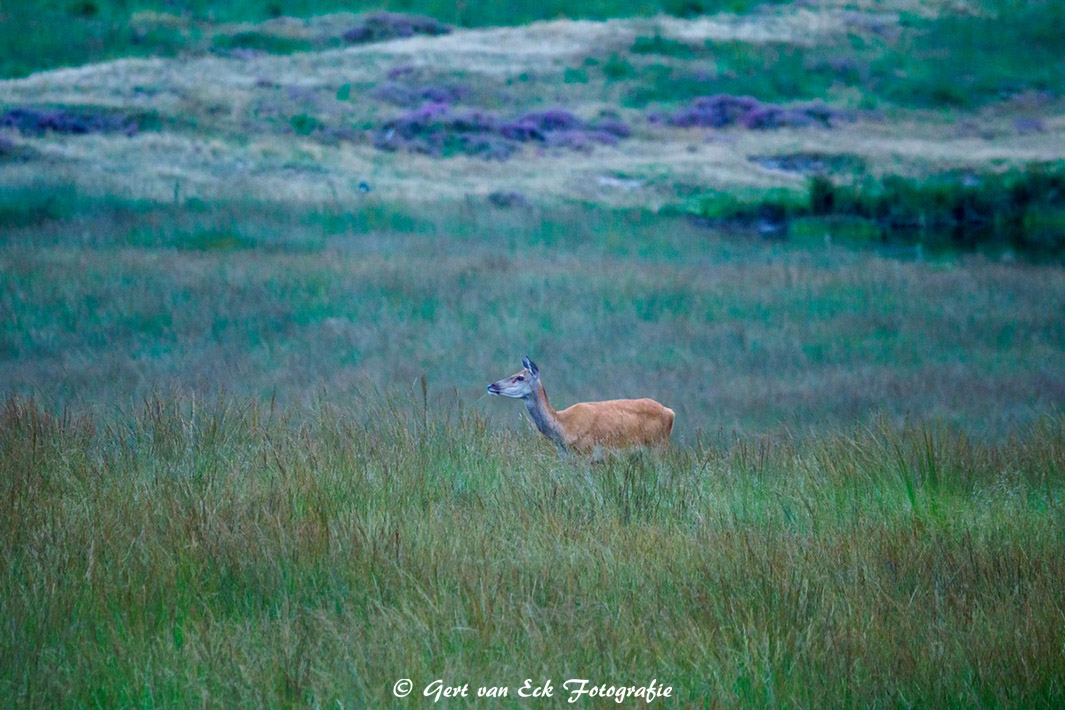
544 416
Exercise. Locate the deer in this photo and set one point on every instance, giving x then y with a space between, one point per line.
588 427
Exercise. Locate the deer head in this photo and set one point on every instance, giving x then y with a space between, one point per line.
521 384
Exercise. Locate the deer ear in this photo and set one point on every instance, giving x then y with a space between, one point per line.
530 366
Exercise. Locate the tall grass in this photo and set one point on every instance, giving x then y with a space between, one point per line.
230 553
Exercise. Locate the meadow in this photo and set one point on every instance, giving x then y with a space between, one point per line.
259 261
110 301
230 553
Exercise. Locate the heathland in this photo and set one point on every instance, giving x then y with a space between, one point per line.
258 263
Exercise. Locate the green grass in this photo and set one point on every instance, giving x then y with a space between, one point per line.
30 38
103 299
968 61
950 61
770 71
230 553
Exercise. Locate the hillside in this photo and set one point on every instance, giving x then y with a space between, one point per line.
240 120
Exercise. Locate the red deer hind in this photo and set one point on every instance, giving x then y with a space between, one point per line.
588 427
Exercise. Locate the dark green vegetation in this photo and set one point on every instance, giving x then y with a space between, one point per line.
963 60
1021 210
231 554
953 60
52 33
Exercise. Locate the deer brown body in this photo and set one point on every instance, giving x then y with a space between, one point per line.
588 427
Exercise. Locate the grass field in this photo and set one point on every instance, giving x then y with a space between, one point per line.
107 301
230 554
259 261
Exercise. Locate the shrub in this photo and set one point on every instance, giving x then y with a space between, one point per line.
62 120
261 42
382 26
722 110
399 94
436 130
1022 209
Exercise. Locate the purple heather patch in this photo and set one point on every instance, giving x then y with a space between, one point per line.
410 96
614 126
505 199
59 120
723 110
13 152
382 26
552 120
1029 125
300 93
435 129
402 71
714 111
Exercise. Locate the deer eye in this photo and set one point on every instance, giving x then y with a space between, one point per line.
521 378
